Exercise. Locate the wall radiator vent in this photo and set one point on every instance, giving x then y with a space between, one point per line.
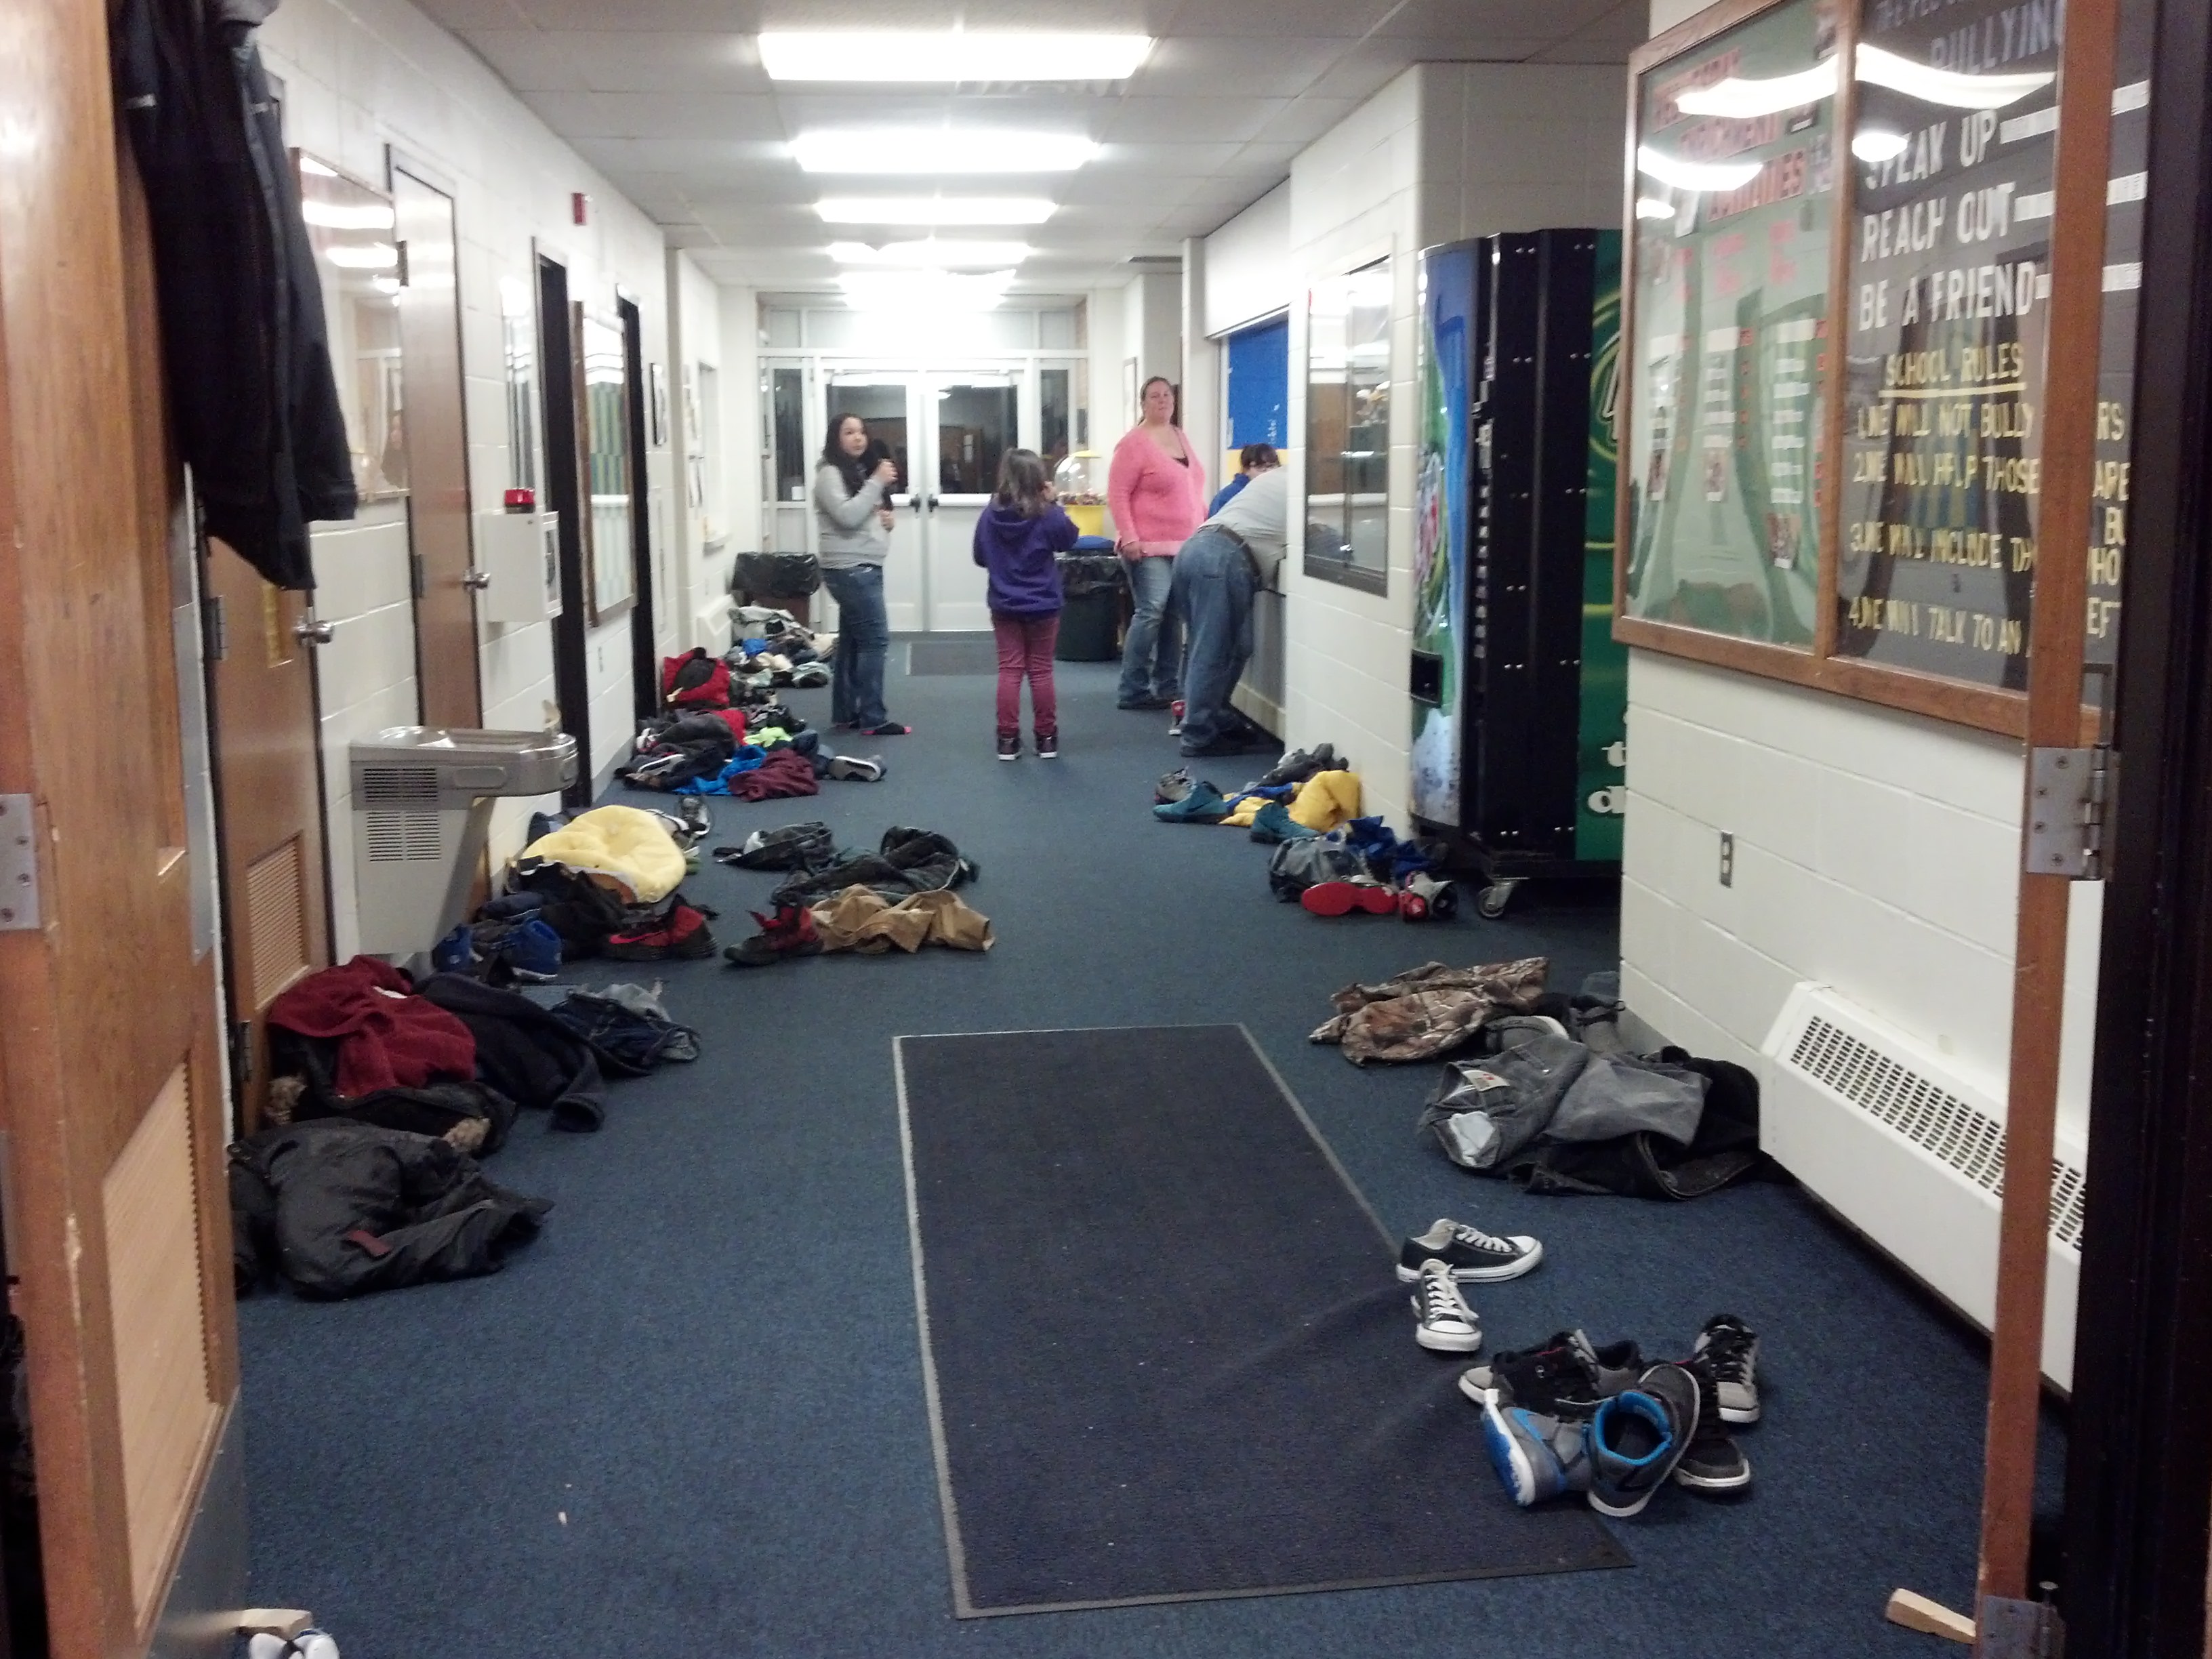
1909 1149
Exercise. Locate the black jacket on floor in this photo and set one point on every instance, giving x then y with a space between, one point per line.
525 1053
345 1208
243 342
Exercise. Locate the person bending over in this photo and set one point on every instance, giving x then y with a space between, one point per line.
1157 495
1018 540
853 513
1251 461
1227 561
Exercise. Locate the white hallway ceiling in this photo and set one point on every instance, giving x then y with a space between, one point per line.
668 97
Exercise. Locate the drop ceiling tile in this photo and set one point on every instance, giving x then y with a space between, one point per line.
1472 22
1610 40
664 63
677 115
1089 188
1345 19
1367 69
1164 160
1175 120
638 16
1264 65
528 60
1305 120
460 15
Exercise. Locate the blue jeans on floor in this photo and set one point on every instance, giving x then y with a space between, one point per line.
863 634
1151 659
1214 582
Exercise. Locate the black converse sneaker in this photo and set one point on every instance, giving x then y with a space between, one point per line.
1713 1463
1442 1319
1474 1256
1730 1350
1567 1376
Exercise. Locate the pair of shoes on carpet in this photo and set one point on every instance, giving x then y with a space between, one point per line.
1302 763
1172 786
1450 1255
1419 899
1010 745
1573 1416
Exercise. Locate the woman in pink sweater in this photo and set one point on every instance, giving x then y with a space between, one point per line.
1157 492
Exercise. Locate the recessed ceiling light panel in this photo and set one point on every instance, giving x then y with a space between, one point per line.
936 149
935 210
951 55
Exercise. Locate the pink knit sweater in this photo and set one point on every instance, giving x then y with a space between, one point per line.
1156 502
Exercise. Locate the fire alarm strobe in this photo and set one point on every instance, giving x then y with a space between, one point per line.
579 206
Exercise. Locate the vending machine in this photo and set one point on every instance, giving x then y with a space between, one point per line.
1520 693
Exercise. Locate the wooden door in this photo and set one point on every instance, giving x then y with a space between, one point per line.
269 806
437 450
561 376
110 1071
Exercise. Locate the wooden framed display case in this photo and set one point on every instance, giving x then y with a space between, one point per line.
1835 312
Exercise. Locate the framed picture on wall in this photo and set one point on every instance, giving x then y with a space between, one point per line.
610 469
656 380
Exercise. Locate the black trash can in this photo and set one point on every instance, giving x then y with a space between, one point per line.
1091 618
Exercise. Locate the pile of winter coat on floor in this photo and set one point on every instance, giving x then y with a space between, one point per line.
1551 1095
899 896
385 1093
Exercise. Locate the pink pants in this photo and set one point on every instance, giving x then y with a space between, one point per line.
1025 645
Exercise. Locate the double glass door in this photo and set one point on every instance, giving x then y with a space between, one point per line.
946 429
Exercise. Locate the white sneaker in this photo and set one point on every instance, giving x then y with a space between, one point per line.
1442 1319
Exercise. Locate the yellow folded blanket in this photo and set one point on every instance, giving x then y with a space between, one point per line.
620 846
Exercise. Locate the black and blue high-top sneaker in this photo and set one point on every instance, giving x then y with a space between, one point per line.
1637 1439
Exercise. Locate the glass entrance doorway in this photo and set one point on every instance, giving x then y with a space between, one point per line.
946 428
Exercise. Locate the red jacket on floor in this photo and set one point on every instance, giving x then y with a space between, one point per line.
387 1037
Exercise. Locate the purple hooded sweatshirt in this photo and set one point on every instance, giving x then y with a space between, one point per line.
1018 553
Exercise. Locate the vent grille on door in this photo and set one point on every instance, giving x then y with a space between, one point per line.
277 921
404 837
398 785
1963 1136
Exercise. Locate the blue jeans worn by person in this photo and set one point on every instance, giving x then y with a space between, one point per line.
1151 658
1214 582
863 634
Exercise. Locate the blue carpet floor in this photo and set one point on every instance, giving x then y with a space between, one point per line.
690 1420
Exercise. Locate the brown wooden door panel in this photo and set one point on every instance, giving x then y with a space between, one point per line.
111 1090
269 793
437 454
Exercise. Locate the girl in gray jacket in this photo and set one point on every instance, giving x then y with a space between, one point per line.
852 514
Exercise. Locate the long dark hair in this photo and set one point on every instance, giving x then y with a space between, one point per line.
852 469
1022 482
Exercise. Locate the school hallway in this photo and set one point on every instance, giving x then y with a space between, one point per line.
690 1417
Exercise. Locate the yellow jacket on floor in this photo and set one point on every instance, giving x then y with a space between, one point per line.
1323 801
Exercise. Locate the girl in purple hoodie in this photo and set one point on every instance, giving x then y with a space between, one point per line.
1016 540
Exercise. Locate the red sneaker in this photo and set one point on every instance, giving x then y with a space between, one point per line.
789 933
682 933
1339 898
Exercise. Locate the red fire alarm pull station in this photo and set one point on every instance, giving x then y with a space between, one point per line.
579 206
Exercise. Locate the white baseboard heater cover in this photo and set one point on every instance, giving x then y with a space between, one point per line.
1910 1152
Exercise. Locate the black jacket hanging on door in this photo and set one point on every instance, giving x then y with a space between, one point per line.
243 344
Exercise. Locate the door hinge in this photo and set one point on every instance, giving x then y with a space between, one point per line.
402 272
2018 1630
218 628
241 1052
417 575
19 865
2070 793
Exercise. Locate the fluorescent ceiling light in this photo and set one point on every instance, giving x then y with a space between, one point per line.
1874 144
937 149
376 256
1650 207
951 55
931 253
1693 175
1947 87
935 211
1740 99
923 290
320 170
385 284
366 216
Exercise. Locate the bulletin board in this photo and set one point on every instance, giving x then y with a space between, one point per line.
1837 284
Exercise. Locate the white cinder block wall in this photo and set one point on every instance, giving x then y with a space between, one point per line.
1445 151
357 77
1874 851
